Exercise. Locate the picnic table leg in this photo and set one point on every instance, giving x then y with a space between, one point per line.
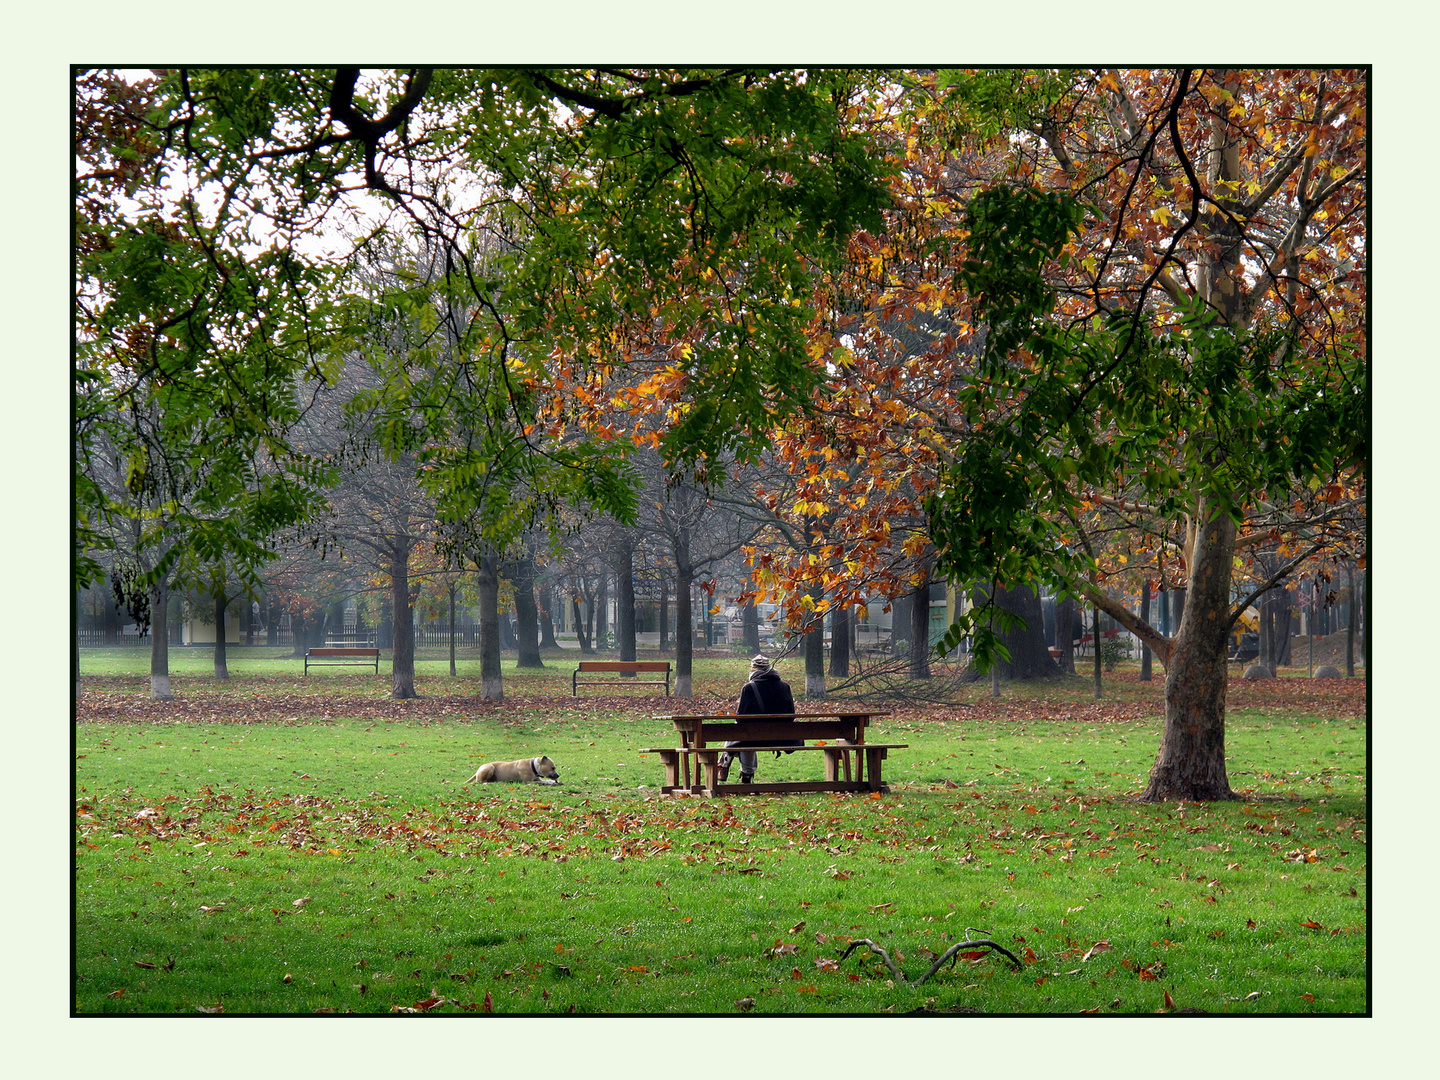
873 767
672 769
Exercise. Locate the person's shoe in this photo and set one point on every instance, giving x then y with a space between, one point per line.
747 778
722 772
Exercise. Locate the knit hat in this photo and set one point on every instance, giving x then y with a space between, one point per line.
759 665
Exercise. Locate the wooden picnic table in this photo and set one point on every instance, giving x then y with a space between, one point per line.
851 763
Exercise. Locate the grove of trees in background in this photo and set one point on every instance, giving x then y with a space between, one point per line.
827 336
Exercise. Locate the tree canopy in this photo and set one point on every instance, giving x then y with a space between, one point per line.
1084 328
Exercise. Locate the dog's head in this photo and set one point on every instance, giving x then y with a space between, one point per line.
546 768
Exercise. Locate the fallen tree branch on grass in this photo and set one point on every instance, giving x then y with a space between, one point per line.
949 954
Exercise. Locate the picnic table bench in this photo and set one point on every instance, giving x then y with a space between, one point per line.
851 763
624 668
346 657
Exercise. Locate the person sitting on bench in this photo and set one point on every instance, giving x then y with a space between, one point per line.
764 692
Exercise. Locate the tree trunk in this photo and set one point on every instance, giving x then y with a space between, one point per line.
160 642
750 627
1065 634
625 605
900 624
299 622
547 618
509 642
111 623
815 653
1284 618
581 630
1365 618
527 620
1029 655
664 603
602 613
488 581
1145 653
1190 764
1350 623
684 628
920 628
1095 640
222 669
450 591
840 619
402 655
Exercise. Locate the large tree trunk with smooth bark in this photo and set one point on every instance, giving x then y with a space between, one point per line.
1191 762
450 595
488 583
814 645
402 655
1029 655
750 628
625 605
684 629
527 619
1065 635
222 668
160 642
840 619
920 628
547 617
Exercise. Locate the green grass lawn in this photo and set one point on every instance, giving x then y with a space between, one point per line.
282 845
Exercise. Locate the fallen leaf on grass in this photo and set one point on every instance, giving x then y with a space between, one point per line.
745 1004
1097 948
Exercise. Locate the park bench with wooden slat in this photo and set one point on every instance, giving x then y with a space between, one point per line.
328 657
851 763
592 668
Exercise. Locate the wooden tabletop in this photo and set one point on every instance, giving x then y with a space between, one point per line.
779 716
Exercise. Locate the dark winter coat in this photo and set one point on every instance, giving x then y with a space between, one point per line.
766 693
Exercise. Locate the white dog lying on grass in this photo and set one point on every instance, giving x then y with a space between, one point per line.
537 770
